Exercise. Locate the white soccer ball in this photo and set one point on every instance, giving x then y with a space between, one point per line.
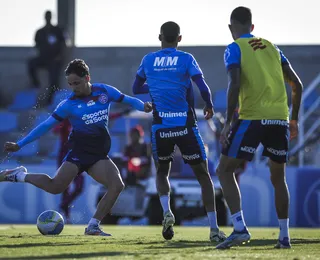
50 222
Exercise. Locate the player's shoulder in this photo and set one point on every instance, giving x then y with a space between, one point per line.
100 87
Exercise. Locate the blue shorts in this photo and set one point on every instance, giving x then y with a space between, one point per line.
86 150
83 160
246 135
188 139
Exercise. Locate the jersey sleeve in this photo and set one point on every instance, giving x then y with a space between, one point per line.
114 94
193 67
232 56
61 112
284 59
141 71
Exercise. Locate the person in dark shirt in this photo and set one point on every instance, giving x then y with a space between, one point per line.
51 45
138 156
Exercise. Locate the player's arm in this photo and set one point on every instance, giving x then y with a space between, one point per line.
196 75
295 83
204 89
232 93
60 113
232 58
139 86
39 131
136 103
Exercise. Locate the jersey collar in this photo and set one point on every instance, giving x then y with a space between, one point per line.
246 35
169 49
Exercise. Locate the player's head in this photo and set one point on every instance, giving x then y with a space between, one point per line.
78 77
240 22
170 34
47 17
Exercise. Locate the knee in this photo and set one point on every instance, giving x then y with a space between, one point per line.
117 187
163 169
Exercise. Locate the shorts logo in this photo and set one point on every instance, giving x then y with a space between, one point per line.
91 103
248 149
274 122
165 158
277 152
172 114
103 99
191 157
173 134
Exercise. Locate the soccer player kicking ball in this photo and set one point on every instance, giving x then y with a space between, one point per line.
87 109
168 73
257 71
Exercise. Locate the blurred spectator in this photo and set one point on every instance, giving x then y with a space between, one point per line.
138 157
51 46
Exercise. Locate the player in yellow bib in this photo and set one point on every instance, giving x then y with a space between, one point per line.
257 71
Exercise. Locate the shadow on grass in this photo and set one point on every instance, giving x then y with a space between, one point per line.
267 242
178 244
70 256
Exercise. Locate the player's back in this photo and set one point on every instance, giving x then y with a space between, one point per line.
168 76
262 92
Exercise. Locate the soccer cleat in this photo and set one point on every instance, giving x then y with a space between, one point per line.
11 175
95 230
167 223
235 239
217 236
283 244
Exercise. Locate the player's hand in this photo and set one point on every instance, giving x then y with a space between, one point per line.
208 112
11 147
147 107
293 128
224 140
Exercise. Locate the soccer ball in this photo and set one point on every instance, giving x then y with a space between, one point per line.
50 222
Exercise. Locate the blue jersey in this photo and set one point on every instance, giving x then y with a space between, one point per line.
168 74
89 119
89 115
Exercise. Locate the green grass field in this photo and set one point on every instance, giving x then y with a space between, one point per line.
134 242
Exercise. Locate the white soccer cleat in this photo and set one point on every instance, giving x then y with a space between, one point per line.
167 223
217 235
11 174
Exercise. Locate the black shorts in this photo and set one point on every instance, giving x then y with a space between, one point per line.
188 139
84 160
246 135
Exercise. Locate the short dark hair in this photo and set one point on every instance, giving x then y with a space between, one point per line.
78 67
170 31
241 15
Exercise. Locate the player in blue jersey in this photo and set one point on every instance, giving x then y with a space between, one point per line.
87 110
168 73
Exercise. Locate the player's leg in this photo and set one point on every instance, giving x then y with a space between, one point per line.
243 141
55 185
106 173
162 151
69 196
276 148
193 153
